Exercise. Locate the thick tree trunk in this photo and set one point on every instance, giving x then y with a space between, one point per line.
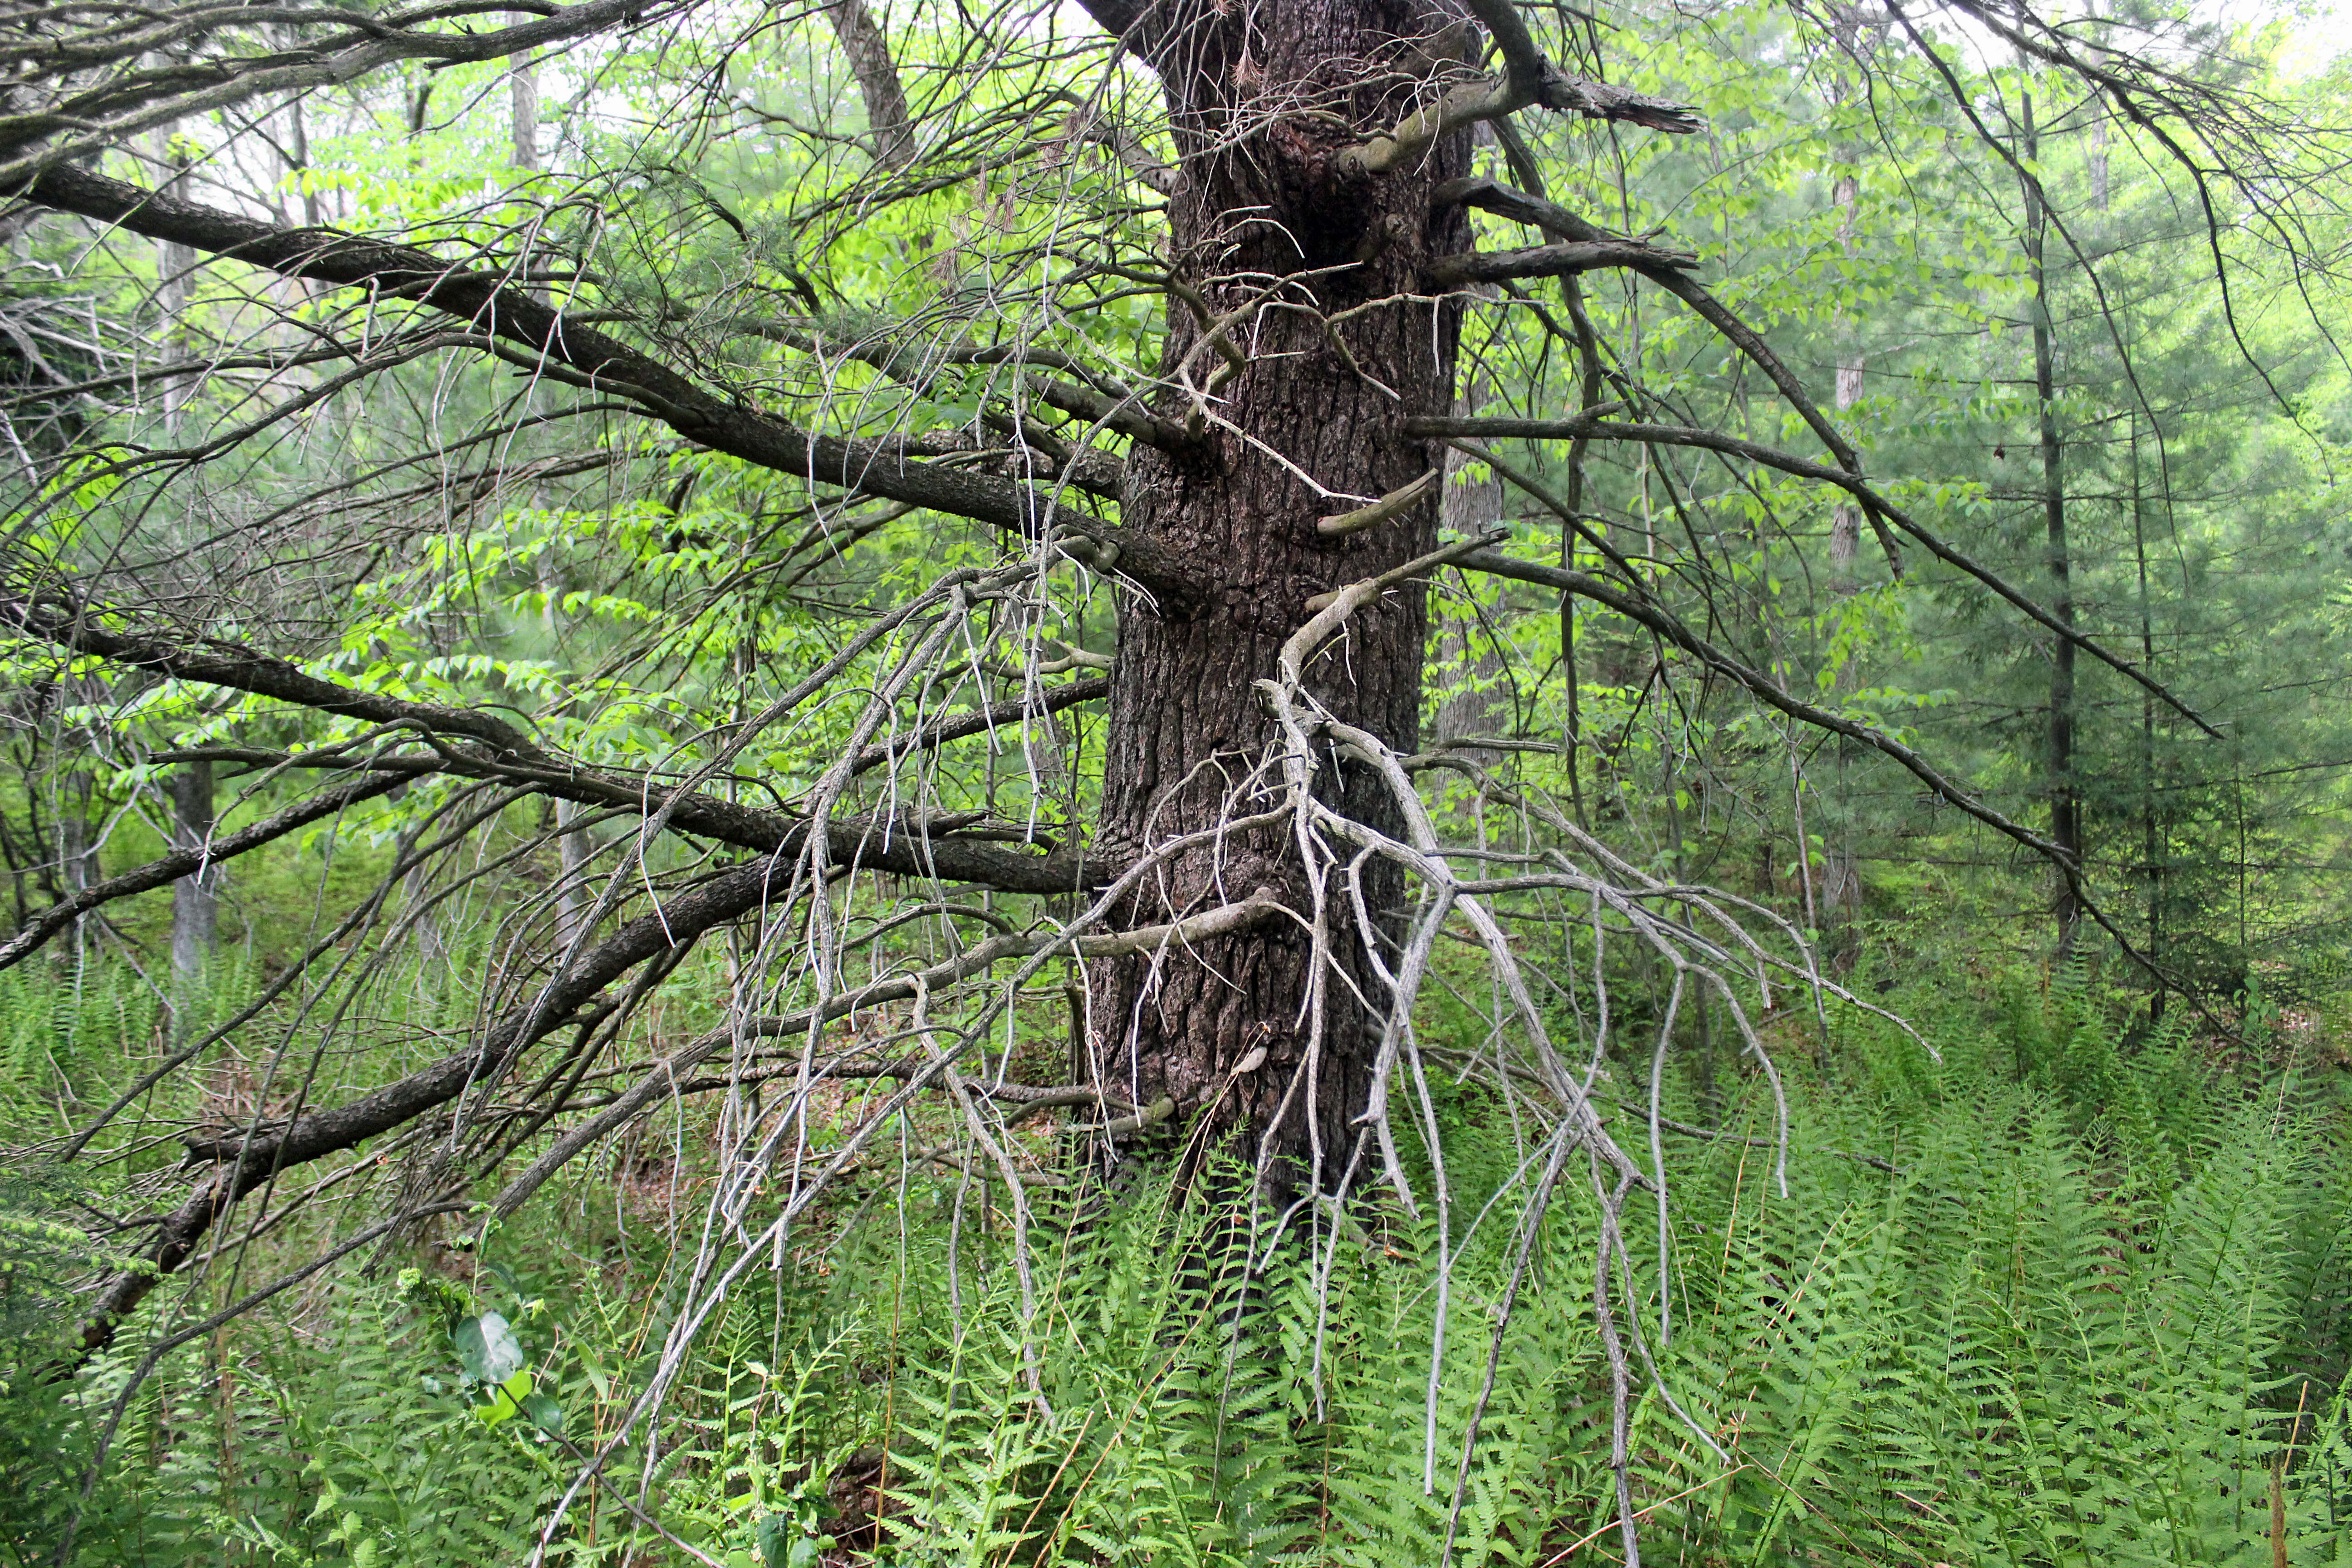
1263 202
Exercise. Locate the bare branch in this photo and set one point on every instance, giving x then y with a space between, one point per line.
1583 426
112 109
1529 80
667 1075
555 343
162 873
1555 261
1052 700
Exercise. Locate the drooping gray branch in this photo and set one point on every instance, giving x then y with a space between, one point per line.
246 1162
667 1075
540 336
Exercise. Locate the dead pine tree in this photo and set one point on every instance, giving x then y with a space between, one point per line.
1213 555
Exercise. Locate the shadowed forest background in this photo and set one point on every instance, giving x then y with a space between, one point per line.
1175 782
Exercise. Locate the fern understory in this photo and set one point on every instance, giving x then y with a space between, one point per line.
2059 1297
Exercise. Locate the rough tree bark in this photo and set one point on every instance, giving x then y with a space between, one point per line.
1265 199
888 120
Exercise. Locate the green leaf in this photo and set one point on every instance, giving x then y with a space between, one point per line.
508 1400
487 1348
775 1537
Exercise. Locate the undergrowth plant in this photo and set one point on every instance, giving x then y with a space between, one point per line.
2065 1296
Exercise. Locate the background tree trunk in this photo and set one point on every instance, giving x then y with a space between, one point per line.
195 901
573 898
1842 890
522 104
2066 806
888 122
174 266
1467 506
1264 201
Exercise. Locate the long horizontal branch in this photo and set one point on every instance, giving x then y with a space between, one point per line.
169 869
559 345
1555 261
900 846
239 669
1582 426
1052 700
667 1075
758 830
884 845
1670 628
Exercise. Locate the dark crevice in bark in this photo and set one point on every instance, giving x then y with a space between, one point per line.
1186 726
